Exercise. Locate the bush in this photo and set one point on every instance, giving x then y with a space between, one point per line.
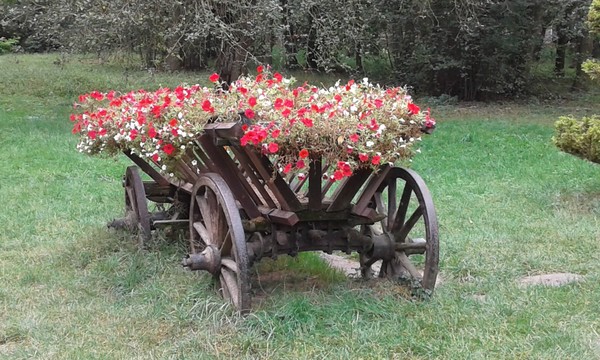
580 137
7 45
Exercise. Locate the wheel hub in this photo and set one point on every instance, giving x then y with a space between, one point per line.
209 259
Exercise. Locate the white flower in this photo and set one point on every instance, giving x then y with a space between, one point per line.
370 143
194 162
180 115
182 147
164 167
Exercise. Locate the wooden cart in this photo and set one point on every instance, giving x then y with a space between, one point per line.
239 209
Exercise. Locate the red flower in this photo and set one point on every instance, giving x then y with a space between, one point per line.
214 77
155 157
273 147
300 164
375 160
287 168
354 138
338 175
278 105
288 103
168 149
303 154
96 95
275 133
307 122
378 103
249 113
260 69
413 108
133 134
92 135
207 106
252 102
152 132
363 157
286 112
173 122
277 76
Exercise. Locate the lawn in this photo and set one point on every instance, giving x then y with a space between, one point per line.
509 205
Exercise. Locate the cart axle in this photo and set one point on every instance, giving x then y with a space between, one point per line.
209 259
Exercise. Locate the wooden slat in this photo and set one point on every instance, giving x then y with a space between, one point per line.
251 173
147 168
243 180
228 170
363 202
315 176
229 131
344 194
281 217
285 196
185 172
191 154
200 155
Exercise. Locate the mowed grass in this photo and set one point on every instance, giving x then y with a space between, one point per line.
509 205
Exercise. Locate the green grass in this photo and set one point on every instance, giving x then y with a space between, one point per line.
509 205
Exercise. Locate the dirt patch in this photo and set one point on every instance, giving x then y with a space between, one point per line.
348 266
555 279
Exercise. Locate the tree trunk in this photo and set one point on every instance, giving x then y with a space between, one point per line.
561 53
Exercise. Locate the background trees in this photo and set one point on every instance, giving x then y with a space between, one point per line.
472 49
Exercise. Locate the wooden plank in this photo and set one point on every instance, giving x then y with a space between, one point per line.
185 172
285 196
315 177
251 173
243 180
344 194
228 170
229 131
374 182
191 154
200 155
147 168
279 216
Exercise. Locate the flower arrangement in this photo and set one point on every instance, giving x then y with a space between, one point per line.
349 126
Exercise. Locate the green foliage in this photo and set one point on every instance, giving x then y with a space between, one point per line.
580 137
7 45
592 68
472 49
594 17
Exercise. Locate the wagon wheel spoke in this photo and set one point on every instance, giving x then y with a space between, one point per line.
401 235
215 220
398 220
410 220
408 265
392 206
136 206
203 232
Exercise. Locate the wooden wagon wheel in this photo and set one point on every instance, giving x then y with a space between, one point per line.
215 221
411 222
136 206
